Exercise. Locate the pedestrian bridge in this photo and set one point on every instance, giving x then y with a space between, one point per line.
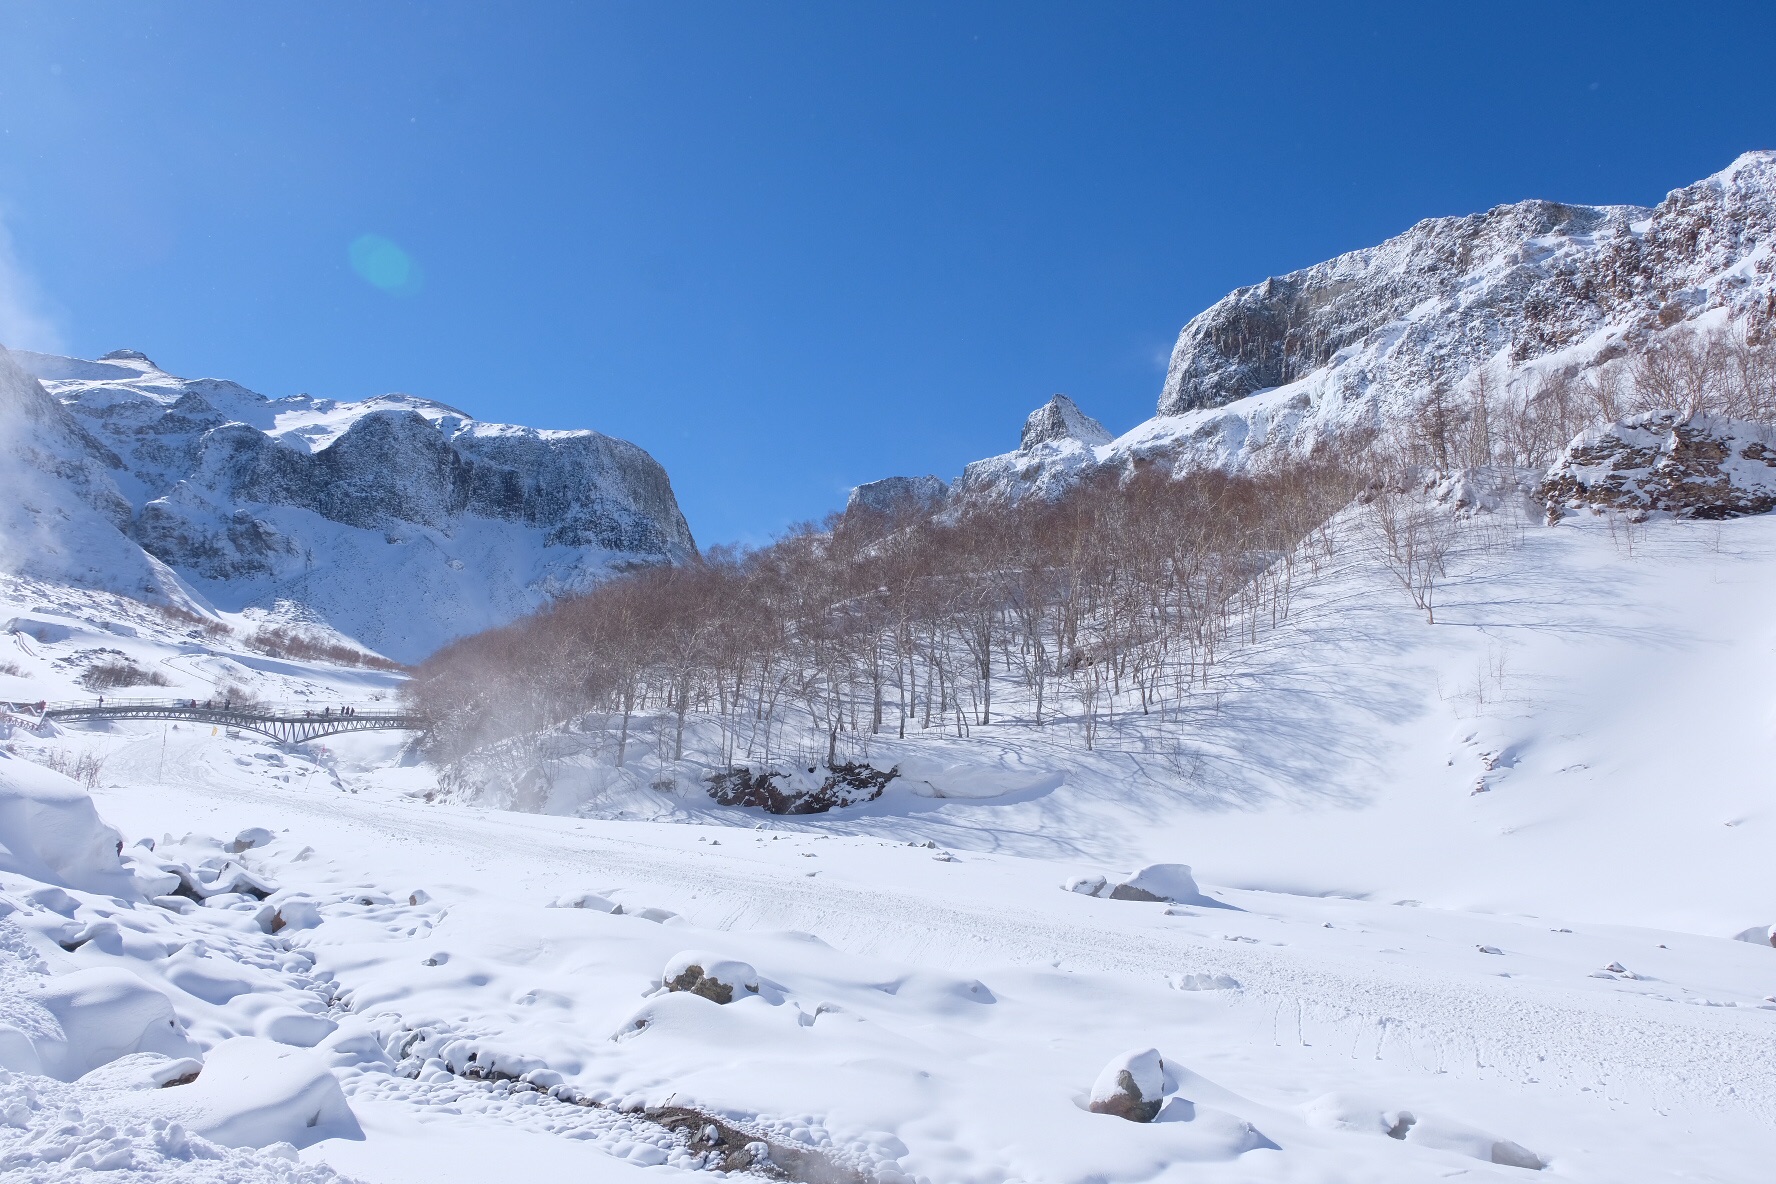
287 723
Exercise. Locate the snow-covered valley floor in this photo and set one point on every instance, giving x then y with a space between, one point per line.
1469 899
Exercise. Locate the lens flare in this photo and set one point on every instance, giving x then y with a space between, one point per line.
381 263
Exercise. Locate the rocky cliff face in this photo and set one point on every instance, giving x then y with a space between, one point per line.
398 521
1346 346
1511 285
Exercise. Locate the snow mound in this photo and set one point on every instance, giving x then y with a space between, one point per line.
49 831
255 1093
60 1132
95 1015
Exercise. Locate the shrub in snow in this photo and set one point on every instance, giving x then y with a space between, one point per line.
1170 882
1132 1086
715 978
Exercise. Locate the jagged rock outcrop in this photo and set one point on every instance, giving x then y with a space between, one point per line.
303 503
1061 419
1059 444
895 496
1693 467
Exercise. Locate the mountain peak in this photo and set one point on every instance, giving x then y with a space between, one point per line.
1061 419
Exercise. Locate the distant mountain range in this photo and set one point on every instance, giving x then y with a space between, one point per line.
402 523
396 521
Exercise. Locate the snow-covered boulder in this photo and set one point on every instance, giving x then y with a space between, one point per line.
718 979
1131 1086
1170 882
253 836
1758 935
254 1093
50 831
586 900
95 1015
1699 466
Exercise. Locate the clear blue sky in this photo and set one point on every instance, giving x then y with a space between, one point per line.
788 247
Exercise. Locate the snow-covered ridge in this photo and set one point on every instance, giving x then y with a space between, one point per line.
1347 346
295 505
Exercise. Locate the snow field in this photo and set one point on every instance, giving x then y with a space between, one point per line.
1376 974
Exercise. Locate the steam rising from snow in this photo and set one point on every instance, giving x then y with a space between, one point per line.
23 322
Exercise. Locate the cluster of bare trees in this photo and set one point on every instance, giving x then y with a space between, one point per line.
1120 596
1525 423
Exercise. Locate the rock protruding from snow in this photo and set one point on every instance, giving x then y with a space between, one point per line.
63 517
1168 882
1758 935
717 979
1061 419
801 790
1698 466
1132 1086
896 497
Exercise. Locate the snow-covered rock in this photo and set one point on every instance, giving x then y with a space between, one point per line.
892 496
1170 882
290 504
1699 466
50 831
100 1013
63 517
1131 1086
718 979
1061 419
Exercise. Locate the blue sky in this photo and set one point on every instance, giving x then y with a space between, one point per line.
787 247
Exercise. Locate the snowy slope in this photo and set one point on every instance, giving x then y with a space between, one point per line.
290 506
1542 972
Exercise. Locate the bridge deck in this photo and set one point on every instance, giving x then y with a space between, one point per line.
288 723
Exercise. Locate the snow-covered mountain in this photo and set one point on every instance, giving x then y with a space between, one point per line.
1346 345
397 521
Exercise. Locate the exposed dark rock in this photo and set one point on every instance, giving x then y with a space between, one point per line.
776 792
1692 467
